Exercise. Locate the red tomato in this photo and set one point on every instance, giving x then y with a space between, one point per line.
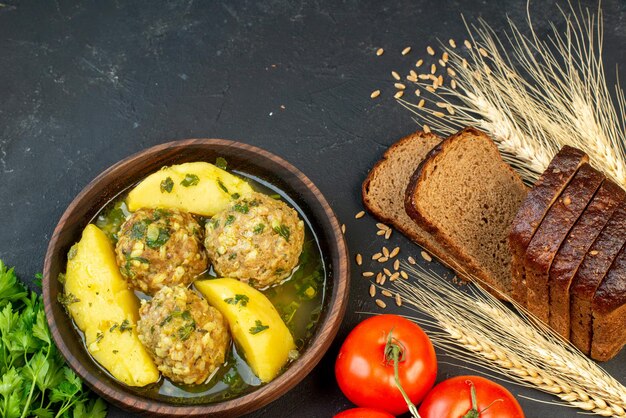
363 413
452 399
366 376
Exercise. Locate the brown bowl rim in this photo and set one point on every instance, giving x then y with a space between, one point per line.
258 398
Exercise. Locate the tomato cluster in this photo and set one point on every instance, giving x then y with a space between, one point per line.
387 365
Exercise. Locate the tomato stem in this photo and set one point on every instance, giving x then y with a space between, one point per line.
474 412
394 353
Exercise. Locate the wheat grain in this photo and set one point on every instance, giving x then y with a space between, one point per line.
475 327
379 52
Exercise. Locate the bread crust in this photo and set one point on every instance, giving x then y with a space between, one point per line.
590 273
554 228
450 246
532 211
573 250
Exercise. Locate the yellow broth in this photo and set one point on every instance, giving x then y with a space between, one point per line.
298 299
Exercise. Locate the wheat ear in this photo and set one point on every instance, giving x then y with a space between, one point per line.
478 328
562 99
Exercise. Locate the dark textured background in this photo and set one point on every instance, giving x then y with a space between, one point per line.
85 84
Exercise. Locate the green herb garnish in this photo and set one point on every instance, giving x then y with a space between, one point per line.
219 183
283 231
99 337
235 196
258 327
167 185
220 162
125 326
138 230
156 237
241 207
34 380
229 220
190 180
259 228
238 299
67 299
185 331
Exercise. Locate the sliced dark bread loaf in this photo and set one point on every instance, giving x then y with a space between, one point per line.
573 250
609 311
383 189
592 270
532 211
553 230
466 196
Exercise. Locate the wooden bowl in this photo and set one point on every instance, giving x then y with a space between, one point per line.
243 158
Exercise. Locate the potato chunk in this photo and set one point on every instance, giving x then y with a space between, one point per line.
254 322
200 188
102 306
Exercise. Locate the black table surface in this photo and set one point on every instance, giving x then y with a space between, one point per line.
85 84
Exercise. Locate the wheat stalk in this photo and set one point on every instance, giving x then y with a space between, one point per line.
480 329
562 99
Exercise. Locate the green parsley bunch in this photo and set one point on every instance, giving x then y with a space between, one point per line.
34 379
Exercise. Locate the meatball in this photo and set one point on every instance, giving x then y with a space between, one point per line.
158 247
187 338
257 239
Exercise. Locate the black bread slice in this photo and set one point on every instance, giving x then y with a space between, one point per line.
573 250
383 189
609 311
553 230
592 270
466 196
532 211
